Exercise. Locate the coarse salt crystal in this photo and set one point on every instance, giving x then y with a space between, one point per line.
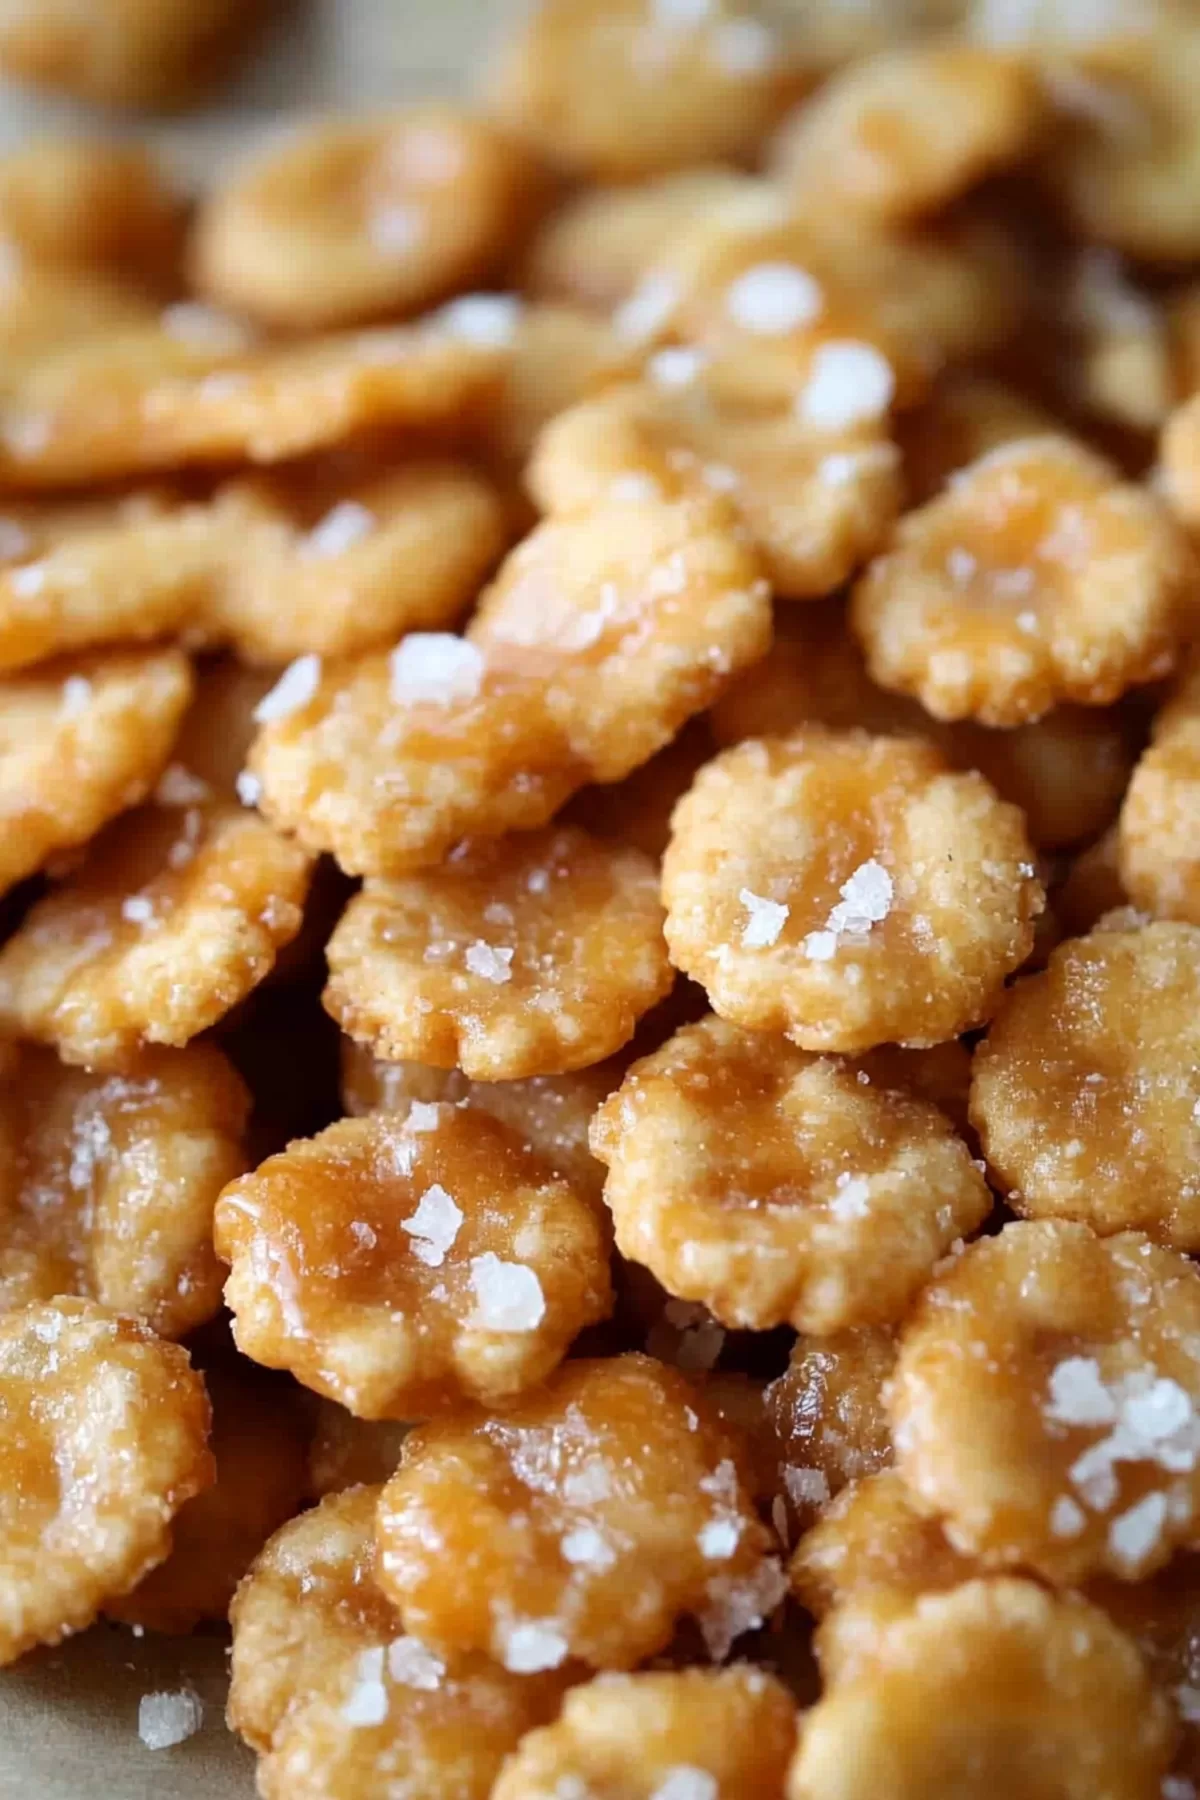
773 298
206 328
396 229
534 1645
1066 1519
647 309
168 1719
718 1539
1158 1412
76 695
424 1115
1133 1535
848 384
435 667
821 946
434 1226
343 526
676 367
28 580
1078 1395
509 1295
806 1487
852 1196
249 788
411 1664
177 786
684 1782
489 320
744 46
585 1547
767 919
489 962
866 900
367 1701
740 1604
137 909
295 688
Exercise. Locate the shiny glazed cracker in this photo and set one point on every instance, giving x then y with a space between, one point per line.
110 1183
132 53
103 1428
817 502
684 1732
775 1187
402 1266
828 1418
525 1533
1043 1403
997 1686
363 218
534 955
848 890
80 741
1036 578
1085 1092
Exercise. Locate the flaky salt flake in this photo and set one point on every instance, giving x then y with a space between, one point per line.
367 1701
76 695
820 946
685 1782
509 1296
718 1539
137 909
1135 1534
249 788
413 1665
1066 1519
28 580
177 786
206 328
535 1645
767 919
740 1604
676 367
744 46
647 309
434 1226
773 298
343 526
489 962
848 384
1158 1412
806 1487
1078 1395
866 899
168 1719
435 667
423 1115
585 1547
296 687
488 320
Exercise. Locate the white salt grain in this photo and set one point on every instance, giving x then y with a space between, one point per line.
1078 1395
489 320
177 786
767 919
76 695
1136 1533
424 1115
28 580
848 384
675 367
1066 1519
509 1295
435 667
585 1547
411 1664
137 909
773 298
806 1487
249 788
744 46
434 1226
683 1782
718 1539
489 962
397 229
295 688
343 526
168 1719
535 1645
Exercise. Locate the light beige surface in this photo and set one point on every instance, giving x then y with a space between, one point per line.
69 1717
